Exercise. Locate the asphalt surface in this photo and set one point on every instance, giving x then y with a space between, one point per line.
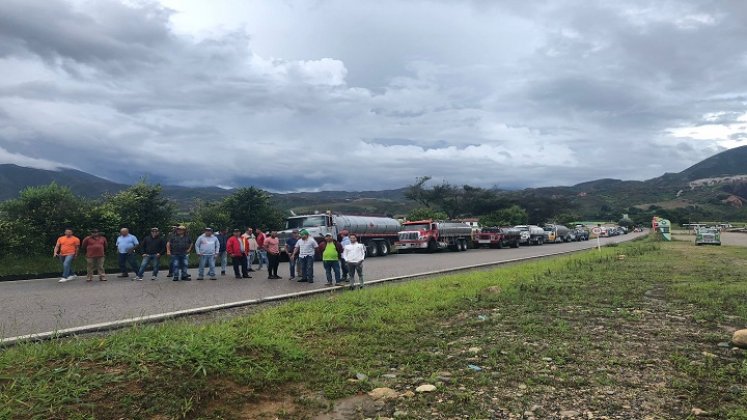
43 305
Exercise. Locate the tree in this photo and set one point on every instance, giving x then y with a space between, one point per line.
417 192
141 207
251 207
510 216
424 213
213 215
40 214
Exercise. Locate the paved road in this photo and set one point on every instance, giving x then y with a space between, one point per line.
36 306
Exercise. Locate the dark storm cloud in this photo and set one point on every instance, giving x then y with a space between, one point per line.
358 96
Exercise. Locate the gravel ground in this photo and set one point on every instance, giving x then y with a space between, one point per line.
35 306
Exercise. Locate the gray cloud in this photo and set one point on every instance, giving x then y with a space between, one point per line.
312 95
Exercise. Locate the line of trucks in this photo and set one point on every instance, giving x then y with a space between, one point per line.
382 234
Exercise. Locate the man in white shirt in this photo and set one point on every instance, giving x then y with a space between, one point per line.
354 254
305 249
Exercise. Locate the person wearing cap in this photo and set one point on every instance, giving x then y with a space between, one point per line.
290 245
153 247
237 247
126 245
272 249
207 247
331 251
178 247
305 250
94 246
222 254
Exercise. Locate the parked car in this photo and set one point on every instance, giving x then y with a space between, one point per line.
708 236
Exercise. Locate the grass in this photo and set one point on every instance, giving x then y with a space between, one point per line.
633 330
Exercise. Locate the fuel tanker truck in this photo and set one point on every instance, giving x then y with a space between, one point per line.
431 236
378 234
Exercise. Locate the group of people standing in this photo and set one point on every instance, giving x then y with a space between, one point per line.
343 258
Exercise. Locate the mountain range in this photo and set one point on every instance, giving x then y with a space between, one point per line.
716 186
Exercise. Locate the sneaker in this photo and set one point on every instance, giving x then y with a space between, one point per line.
200 278
72 277
62 280
187 279
175 279
239 277
89 278
292 278
303 280
213 278
246 277
138 278
278 278
169 275
102 278
154 278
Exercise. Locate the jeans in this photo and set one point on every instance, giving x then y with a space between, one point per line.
67 265
355 268
292 262
180 264
250 259
328 267
239 263
210 261
262 257
307 267
128 258
223 255
273 262
149 259
344 267
95 264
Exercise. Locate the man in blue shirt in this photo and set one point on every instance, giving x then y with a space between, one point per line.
290 245
126 245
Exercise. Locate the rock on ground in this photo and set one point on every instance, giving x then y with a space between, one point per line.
739 339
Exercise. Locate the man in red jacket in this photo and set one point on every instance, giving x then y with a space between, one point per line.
238 248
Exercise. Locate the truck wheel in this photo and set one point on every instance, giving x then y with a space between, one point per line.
515 244
500 244
373 250
383 248
462 245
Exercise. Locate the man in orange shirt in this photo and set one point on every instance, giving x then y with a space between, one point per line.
66 249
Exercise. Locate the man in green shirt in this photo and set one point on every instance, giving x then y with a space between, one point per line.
331 252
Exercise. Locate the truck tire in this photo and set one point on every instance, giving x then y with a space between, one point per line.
515 244
383 248
372 250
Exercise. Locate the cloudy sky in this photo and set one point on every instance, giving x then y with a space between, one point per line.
338 94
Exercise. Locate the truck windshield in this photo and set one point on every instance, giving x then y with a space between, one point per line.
491 230
305 222
548 229
421 226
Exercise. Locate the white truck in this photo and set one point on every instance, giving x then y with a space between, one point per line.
378 234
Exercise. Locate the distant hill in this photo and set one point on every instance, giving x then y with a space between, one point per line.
711 187
14 178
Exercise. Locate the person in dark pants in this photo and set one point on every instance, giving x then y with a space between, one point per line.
272 248
153 247
290 245
331 251
171 261
237 247
344 240
126 245
222 254
179 247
